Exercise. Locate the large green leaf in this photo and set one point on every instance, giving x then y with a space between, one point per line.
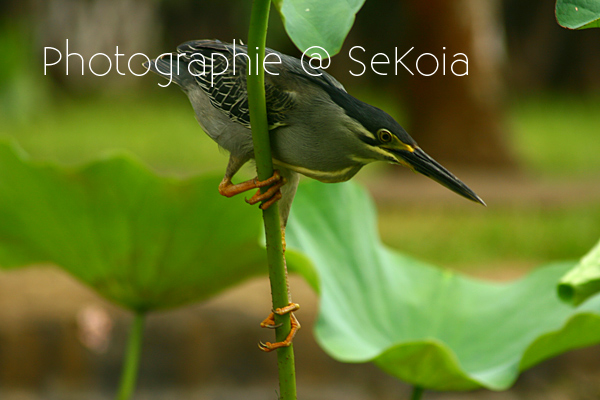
578 14
143 241
583 281
323 23
424 325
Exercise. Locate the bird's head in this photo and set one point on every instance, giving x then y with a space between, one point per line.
383 139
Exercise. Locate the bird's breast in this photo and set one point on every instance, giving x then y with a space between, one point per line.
330 176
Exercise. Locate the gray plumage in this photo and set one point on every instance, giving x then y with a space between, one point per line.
316 128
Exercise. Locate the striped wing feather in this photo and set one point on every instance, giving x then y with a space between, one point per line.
226 88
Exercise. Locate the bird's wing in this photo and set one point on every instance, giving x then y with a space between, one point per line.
212 64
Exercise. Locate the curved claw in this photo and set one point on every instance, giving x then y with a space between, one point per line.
269 323
266 347
269 347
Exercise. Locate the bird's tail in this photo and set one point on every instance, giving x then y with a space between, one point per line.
170 67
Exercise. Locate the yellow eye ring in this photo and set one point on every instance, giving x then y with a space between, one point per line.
385 136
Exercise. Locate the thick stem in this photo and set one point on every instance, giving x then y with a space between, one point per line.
257 37
132 358
417 393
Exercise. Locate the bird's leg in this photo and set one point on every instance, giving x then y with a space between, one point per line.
228 189
271 195
283 244
269 322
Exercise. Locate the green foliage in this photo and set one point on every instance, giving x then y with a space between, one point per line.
429 327
578 14
142 241
323 23
583 281
149 242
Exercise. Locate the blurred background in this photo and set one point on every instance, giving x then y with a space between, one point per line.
522 130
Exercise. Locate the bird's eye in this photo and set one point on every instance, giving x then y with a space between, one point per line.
385 136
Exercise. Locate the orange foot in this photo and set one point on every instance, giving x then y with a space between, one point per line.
228 189
269 322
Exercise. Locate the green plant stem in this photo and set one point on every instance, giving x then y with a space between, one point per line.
417 393
132 358
257 37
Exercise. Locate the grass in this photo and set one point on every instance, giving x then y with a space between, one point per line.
161 131
471 239
557 135
553 136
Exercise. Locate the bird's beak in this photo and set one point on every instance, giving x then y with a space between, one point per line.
421 162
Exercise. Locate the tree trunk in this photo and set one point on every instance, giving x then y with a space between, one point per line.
459 120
